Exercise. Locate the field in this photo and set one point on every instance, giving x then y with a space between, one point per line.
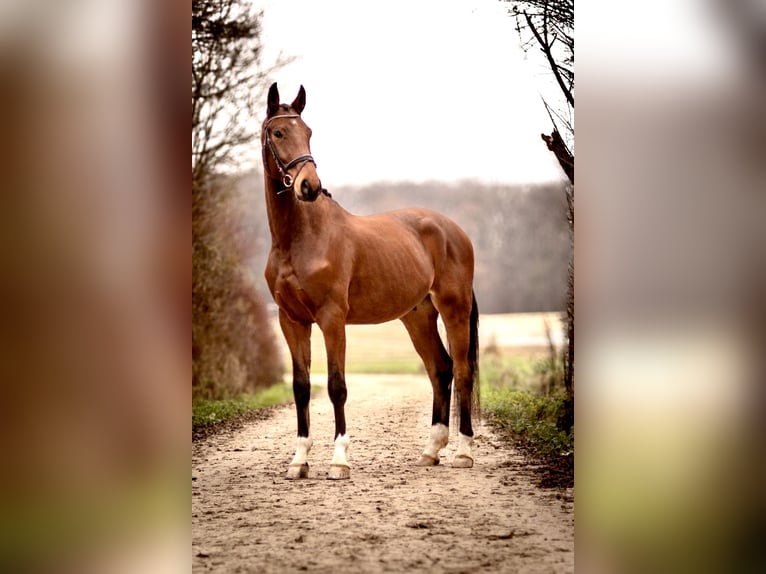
386 348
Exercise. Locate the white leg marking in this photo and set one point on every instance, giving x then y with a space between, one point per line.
438 440
302 450
341 445
464 446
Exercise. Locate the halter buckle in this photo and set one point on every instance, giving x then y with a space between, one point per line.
287 180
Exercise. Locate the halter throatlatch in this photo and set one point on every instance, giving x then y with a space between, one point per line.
287 179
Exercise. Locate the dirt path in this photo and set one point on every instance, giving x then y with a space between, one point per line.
391 516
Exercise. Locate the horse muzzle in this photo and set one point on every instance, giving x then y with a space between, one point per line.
307 187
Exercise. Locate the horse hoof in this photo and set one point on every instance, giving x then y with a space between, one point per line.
427 460
462 461
339 472
298 471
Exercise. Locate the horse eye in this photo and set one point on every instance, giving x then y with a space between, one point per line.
277 134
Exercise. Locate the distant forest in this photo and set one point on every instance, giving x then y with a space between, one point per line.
519 233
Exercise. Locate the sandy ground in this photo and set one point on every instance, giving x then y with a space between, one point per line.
391 516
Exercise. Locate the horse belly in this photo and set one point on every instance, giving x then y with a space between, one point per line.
361 314
385 299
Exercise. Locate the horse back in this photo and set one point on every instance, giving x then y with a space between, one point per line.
399 257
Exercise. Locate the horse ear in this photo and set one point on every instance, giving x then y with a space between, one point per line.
273 102
300 101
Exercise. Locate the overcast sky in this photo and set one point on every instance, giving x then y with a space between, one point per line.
412 90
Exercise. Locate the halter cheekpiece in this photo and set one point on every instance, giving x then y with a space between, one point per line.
287 179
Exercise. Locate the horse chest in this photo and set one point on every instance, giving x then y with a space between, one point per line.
298 288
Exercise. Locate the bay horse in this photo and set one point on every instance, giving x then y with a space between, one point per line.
332 268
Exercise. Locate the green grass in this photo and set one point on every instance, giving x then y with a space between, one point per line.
525 397
530 418
209 412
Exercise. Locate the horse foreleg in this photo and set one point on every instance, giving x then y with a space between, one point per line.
334 331
298 337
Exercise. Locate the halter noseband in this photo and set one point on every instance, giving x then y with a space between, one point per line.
287 179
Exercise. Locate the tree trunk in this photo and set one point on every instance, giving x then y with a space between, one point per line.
566 160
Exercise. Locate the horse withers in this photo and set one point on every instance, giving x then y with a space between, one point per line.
332 268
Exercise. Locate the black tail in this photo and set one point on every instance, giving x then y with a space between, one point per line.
473 362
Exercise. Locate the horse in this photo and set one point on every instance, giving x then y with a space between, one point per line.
330 267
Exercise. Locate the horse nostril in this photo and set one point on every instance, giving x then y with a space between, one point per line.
305 187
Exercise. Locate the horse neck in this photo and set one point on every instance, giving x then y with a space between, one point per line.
291 220
283 212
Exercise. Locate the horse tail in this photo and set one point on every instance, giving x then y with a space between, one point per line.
473 361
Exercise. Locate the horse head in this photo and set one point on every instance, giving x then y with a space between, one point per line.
286 151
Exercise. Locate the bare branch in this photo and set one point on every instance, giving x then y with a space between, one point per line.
545 47
226 73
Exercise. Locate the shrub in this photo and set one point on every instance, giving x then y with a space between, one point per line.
526 398
234 348
530 418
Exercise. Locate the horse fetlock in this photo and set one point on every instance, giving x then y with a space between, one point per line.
302 449
339 468
339 453
437 441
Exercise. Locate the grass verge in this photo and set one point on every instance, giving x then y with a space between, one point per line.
524 399
529 418
209 416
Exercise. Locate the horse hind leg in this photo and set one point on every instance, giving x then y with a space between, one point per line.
461 319
422 327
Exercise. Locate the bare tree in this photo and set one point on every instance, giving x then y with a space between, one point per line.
228 81
548 25
233 345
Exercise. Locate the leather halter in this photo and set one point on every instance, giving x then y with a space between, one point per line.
287 179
